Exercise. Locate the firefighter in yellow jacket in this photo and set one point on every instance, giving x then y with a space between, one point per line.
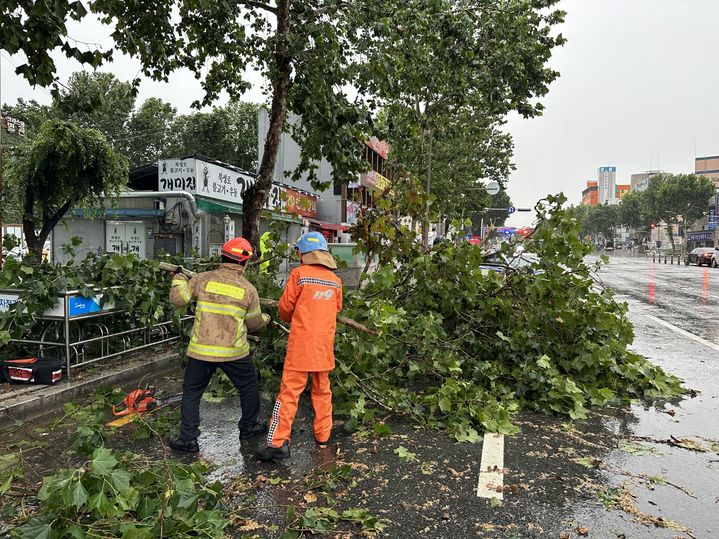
227 308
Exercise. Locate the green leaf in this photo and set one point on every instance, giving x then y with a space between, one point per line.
35 528
404 454
74 493
5 485
135 532
543 362
102 462
76 531
120 480
382 430
100 503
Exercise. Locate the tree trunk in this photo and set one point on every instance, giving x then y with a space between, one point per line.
36 240
670 233
28 226
255 197
428 191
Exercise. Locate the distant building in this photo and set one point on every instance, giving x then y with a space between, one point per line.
589 195
640 181
709 167
606 182
622 190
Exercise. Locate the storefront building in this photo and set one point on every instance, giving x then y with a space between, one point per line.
339 205
187 206
700 238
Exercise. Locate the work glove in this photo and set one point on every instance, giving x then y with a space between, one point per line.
179 275
266 318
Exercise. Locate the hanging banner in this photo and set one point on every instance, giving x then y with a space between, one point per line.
197 237
379 146
375 181
299 203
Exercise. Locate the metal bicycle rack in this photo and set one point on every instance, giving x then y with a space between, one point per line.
69 324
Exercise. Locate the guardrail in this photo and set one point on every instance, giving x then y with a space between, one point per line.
76 326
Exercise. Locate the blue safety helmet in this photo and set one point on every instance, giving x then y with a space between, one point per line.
312 241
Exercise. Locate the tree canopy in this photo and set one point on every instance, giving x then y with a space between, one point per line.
64 165
441 54
671 199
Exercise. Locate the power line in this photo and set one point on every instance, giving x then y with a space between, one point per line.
9 59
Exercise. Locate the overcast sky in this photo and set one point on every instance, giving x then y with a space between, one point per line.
638 90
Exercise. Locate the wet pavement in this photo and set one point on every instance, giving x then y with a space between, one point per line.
646 471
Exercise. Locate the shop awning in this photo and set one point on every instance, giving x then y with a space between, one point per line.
215 206
329 226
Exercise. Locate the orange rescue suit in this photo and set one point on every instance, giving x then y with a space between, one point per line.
311 301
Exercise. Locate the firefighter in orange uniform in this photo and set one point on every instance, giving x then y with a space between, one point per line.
311 301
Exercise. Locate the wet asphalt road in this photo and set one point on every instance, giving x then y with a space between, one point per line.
609 476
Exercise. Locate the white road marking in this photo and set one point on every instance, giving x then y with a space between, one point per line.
491 471
684 333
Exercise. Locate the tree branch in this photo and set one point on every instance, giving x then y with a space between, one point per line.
50 223
260 5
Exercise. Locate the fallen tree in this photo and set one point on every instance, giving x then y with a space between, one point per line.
465 349
454 346
273 302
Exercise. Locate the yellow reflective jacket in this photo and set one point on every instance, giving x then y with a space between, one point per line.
228 306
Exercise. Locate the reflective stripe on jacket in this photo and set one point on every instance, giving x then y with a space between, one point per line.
228 306
311 301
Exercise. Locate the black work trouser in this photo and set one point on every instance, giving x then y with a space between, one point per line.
198 374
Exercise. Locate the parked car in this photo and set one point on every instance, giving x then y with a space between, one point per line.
501 262
703 255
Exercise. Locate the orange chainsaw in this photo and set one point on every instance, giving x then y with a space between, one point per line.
137 402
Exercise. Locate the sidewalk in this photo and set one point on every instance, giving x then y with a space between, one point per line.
25 402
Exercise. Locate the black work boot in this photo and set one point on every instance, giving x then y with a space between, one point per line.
253 430
184 444
326 442
271 453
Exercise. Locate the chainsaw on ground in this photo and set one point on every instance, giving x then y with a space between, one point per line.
138 402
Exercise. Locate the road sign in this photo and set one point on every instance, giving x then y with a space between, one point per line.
492 188
511 210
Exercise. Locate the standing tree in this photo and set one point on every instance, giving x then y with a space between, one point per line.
601 222
227 133
467 148
151 133
678 198
630 213
466 63
62 166
97 100
309 54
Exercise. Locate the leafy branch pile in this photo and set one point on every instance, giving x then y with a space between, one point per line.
128 282
103 492
461 348
116 495
465 349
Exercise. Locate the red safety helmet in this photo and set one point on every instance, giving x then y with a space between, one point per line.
237 249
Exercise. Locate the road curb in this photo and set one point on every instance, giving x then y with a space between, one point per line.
34 401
